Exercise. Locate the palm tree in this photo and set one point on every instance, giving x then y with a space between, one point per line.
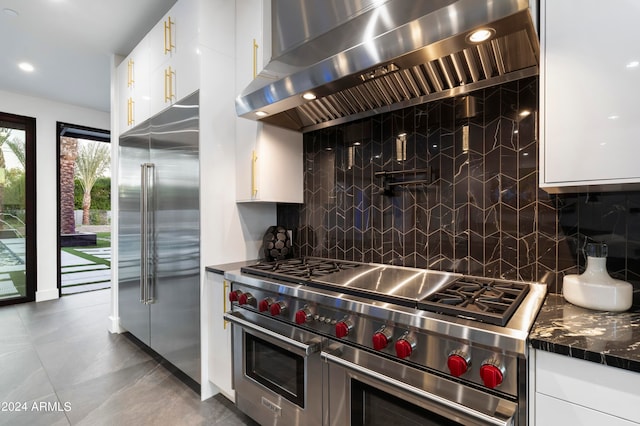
93 160
68 155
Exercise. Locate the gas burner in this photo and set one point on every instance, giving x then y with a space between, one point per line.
487 300
299 269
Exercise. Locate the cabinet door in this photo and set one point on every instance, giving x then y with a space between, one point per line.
269 165
220 359
133 87
174 31
589 106
253 39
553 411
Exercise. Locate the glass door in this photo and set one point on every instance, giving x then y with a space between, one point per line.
17 209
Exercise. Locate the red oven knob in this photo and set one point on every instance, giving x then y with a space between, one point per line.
381 338
302 316
264 304
278 308
404 347
246 299
458 363
491 373
343 328
234 295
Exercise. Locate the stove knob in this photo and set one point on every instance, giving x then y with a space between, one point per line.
404 347
278 308
234 295
492 373
343 328
381 338
246 299
302 316
458 363
264 304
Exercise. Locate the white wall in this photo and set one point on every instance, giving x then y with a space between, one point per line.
47 113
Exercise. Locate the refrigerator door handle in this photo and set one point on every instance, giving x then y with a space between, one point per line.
146 228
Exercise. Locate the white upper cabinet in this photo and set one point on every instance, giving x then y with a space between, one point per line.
590 71
133 88
269 162
253 39
163 68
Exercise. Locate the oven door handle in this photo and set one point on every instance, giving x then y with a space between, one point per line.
306 348
482 417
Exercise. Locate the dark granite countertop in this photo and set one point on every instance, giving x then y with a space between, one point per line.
609 338
221 269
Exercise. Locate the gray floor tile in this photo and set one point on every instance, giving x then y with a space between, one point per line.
63 359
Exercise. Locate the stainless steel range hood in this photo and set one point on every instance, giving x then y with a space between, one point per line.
365 57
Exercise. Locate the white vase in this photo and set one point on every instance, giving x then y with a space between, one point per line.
595 289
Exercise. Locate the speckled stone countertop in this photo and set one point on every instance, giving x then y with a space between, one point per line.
608 338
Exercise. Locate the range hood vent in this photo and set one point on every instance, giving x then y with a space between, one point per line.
412 53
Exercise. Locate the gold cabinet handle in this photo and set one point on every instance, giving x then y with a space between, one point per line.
168 35
225 287
169 76
130 80
130 103
255 58
254 187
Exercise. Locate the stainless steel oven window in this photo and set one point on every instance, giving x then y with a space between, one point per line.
372 407
275 368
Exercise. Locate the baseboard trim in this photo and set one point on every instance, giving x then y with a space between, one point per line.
44 295
114 325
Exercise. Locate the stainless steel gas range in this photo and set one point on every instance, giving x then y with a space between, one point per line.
320 341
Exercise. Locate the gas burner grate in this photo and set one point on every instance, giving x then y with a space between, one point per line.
486 300
298 270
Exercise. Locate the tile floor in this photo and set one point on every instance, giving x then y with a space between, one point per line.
59 362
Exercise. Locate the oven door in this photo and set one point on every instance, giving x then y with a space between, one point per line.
276 371
366 389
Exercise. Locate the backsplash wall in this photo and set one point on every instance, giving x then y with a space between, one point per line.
471 203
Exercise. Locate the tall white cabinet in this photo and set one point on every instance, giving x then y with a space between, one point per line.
589 106
269 163
200 55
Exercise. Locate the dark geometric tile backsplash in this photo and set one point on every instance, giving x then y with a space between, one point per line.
460 194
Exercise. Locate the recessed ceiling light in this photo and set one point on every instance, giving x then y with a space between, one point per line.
10 12
261 113
309 96
633 64
356 144
613 117
483 34
26 66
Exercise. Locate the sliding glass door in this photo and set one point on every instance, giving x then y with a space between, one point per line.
17 209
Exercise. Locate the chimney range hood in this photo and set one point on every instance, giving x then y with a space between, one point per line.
366 57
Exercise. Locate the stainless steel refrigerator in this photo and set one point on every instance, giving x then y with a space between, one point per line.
159 234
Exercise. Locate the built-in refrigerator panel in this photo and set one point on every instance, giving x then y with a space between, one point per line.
133 151
175 325
159 194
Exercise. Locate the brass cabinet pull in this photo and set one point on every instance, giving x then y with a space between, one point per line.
168 36
130 80
225 286
130 103
254 187
169 76
255 58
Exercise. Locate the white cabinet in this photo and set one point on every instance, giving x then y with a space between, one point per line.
163 68
573 391
133 88
219 338
269 163
253 39
588 103
173 55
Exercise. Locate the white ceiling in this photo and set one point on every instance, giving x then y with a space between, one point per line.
70 43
